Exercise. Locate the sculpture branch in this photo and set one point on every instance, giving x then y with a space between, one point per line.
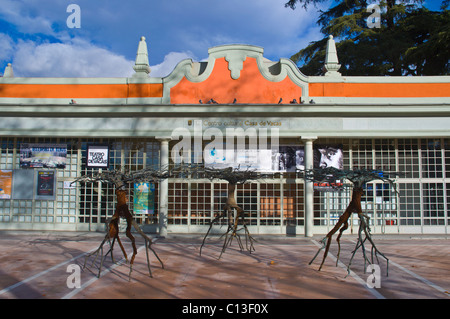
233 177
358 180
120 180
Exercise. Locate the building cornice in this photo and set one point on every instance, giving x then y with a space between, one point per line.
335 110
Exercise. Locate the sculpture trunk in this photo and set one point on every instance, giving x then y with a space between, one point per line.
232 203
122 211
233 221
353 207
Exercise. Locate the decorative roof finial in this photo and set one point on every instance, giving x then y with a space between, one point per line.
9 73
332 65
141 66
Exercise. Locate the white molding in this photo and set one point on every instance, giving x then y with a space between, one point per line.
380 79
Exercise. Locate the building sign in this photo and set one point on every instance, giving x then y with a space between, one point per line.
43 155
5 184
97 156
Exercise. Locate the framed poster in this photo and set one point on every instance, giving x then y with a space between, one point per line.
45 185
6 177
97 156
144 198
43 155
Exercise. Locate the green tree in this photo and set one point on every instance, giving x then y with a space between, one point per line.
410 39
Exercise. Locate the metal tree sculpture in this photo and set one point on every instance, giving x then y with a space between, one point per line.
120 181
233 177
358 179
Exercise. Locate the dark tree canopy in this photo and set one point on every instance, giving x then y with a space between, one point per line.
411 39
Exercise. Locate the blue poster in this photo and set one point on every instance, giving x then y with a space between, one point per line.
144 198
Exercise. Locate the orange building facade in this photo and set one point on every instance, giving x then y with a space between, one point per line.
396 124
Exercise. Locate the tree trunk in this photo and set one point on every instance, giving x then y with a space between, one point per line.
353 207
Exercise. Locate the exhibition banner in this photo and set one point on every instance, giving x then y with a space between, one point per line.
247 159
288 158
43 155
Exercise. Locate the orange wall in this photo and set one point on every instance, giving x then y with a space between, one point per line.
74 91
250 87
380 89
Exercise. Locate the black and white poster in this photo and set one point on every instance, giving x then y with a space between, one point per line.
97 156
289 159
326 156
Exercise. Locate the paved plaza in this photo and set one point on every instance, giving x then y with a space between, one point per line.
35 265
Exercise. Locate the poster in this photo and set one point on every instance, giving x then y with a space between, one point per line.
43 155
289 159
45 184
5 184
97 156
144 198
326 156
247 159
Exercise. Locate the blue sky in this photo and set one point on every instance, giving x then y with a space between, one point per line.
34 35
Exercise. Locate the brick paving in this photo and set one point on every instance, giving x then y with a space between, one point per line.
36 265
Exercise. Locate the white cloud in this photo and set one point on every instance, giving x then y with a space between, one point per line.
6 45
21 14
78 58
170 62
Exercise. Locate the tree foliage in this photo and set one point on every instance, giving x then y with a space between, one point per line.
411 39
